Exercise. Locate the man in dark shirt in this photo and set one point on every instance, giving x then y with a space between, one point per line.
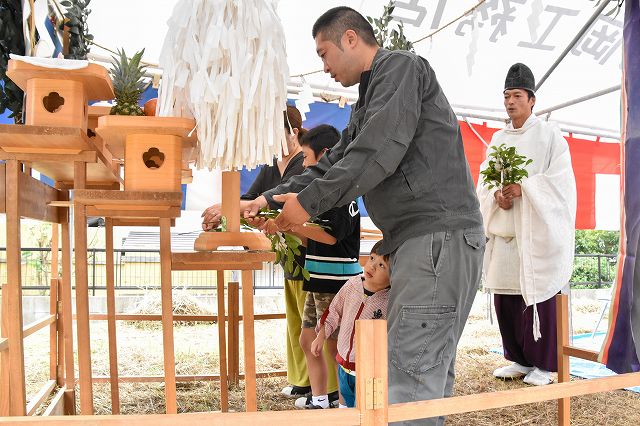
403 152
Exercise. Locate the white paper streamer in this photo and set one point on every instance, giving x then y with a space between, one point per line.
225 65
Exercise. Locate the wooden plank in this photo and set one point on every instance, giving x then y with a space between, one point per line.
67 319
194 318
343 417
14 290
37 140
115 128
133 212
222 343
35 326
247 266
96 79
562 320
34 198
508 398
55 339
213 258
581 353
40 397
249 342
135 221
149 198
208 241
233 351
111 317
82 295
5 385
56 406
167 317
184 378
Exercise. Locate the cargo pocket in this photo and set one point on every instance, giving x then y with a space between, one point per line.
475 239
422 335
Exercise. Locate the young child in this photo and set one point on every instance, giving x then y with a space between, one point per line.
362 297
332 259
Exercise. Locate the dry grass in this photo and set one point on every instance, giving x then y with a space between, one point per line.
140 353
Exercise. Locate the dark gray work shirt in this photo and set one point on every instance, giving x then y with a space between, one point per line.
402 151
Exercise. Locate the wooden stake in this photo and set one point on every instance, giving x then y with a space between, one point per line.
167 316
562 317
111 318
249 342
5 385
14 290
67 321
82 294
53 330
231 199
233 359
222 345
371 377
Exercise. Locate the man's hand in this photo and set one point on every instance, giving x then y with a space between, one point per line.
503 202
512 191
292 212
211 217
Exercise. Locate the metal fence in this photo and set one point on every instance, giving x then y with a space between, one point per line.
140 269
134 270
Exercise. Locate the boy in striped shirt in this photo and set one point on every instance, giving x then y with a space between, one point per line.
362 297
332 259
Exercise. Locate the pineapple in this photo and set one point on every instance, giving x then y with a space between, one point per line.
127 84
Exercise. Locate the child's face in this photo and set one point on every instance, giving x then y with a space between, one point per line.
309 156
376 273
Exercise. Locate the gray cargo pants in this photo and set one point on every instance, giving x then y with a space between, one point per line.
434 279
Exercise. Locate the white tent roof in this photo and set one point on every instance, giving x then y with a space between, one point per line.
531 31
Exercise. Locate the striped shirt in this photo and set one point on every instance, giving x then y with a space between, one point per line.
350 304
331 265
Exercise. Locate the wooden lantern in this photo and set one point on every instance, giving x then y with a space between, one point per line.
154 149
58 97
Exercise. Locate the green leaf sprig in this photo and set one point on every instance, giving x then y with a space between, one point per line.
505 167
286 246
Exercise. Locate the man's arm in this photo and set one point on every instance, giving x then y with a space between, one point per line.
299 182
391 119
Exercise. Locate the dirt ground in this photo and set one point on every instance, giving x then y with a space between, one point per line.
140 353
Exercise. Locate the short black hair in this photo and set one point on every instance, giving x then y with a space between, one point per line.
334 22
376 250
320 138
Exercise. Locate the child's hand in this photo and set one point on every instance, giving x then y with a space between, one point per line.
316 346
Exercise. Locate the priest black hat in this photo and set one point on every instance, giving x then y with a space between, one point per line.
520 76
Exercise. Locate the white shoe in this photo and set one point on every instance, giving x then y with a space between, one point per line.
513 371
538 377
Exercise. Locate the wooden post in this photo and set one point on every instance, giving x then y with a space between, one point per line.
231 199
249 342
371 377
18 405
233 352
67 321
5 386
56 334
222 345
53 330
562 316
82 294
167 316
111 317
